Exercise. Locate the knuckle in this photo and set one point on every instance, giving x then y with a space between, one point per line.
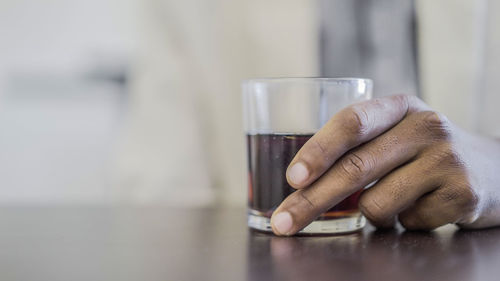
445 155
433 118
354 167
462 195
299 199
321 148
357 122
462 201
308 202
435 123
447 195
469 199
373 209
412 101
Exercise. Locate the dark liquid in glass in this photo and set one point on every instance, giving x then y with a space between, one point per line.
268 159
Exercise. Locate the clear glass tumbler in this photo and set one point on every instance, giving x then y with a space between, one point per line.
280 115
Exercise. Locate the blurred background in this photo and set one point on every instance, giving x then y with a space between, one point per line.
138 101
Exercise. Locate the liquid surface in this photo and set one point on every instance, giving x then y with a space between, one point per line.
268 159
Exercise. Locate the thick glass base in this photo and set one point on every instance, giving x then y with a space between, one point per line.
344 223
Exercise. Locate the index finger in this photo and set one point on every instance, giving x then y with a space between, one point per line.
347 129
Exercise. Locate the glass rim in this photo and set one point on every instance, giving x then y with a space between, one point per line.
336 80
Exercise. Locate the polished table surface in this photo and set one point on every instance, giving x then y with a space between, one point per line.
149 243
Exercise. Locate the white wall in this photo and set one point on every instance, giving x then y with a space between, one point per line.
186 141
59 35
460 60
58 128
182 143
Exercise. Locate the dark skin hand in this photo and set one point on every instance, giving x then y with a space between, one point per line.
428 172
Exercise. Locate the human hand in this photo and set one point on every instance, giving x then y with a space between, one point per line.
428 171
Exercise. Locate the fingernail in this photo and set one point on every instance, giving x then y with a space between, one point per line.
282 222
298 173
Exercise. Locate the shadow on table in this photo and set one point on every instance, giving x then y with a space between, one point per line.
375 255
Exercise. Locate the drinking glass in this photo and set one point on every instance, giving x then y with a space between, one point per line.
280 115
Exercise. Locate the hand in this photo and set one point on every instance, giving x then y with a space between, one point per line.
429 172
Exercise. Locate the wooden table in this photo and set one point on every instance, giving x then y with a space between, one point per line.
124 243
